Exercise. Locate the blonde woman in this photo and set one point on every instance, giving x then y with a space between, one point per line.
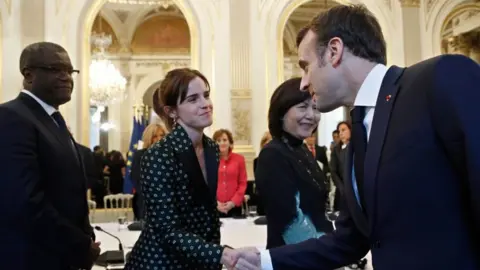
152 134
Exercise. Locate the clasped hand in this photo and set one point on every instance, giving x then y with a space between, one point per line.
225 207
241 259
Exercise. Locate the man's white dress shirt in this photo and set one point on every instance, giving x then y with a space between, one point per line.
367 97
48 109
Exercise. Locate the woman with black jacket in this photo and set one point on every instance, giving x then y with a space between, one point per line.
293 187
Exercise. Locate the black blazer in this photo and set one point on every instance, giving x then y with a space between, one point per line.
279 176
137 184
43 199
421 178
338 162
89 165
321 156
135 170
182 225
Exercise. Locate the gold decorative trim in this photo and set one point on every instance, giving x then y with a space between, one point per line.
242 120
241 93
281 23
83 103
458 10
410 3
429 5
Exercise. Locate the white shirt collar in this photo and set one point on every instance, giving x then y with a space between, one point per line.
368 93
49 109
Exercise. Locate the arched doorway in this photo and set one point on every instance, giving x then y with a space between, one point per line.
147 101
300 17
146 42
460 32
92 10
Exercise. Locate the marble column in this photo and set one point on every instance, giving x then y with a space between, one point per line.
410 10
241 92
11 47
119 113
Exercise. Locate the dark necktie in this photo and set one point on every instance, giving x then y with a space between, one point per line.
62 125
359 145
57 116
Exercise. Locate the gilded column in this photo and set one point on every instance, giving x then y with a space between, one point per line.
475 50
241 93
460 44
410 10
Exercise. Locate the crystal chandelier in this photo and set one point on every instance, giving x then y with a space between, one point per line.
107 85
163 3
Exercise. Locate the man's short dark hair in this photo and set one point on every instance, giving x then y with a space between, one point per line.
355 25
301 34
35 53
286 95
335 132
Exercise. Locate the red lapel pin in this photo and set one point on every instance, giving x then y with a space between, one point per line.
387 98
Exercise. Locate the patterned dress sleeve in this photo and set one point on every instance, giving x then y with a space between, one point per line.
159 174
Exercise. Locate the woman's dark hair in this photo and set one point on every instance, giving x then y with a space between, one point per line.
116 157
287 95
173 90
344 123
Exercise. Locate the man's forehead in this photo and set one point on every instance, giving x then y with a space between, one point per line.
308 42
57 58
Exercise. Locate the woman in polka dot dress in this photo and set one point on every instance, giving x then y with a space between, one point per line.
179 181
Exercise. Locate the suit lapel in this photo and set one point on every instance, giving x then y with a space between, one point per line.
188 158
385 102
211 162
357 213
40 114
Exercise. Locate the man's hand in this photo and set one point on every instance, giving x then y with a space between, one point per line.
248 259
229 258
95 250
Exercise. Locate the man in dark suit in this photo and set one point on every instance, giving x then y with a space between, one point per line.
43 196
89 165
318 152
414 166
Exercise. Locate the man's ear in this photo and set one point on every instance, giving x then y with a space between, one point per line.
335 52
27 76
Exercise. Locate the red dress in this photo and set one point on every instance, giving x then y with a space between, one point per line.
232 179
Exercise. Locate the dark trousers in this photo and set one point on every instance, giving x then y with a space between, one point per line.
138 205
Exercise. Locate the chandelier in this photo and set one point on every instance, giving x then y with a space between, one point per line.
163 3
107 85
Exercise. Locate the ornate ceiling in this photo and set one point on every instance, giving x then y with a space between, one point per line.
144 29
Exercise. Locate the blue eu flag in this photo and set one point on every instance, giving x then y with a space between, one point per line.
137 132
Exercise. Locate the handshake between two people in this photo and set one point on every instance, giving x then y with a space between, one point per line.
247 258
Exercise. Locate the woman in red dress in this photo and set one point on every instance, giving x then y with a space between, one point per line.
232 176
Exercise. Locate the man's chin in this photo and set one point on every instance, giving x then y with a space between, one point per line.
64 100
327 109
